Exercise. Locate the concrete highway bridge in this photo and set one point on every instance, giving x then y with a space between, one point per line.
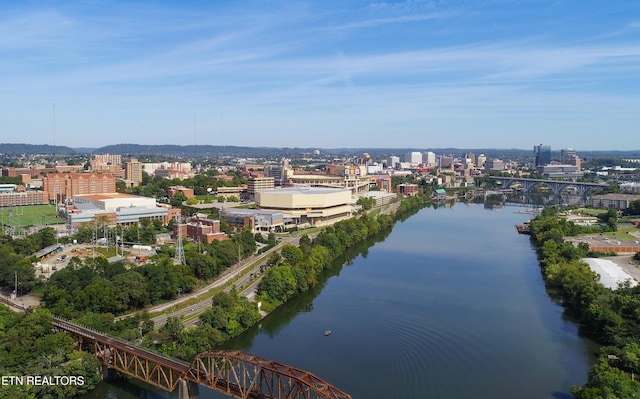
237 374
557 186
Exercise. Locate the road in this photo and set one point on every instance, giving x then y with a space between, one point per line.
247 277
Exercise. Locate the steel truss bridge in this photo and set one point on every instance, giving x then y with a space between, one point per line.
556 185
237 374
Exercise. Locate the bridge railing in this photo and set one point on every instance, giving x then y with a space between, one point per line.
78 329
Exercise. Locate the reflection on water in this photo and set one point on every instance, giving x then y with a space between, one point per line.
450 305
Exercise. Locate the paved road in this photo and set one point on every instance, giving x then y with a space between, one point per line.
239 271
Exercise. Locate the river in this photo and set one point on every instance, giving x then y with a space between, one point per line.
451 304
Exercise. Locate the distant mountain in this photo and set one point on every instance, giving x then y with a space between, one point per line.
200 151
85 150
213 151
6 148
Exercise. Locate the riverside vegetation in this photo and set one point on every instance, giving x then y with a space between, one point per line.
610 317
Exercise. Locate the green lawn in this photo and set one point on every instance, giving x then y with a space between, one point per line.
25 216
591 211
624 234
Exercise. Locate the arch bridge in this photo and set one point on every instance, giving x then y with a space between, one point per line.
556 185
234 373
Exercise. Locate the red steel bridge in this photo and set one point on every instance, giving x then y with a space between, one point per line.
237 374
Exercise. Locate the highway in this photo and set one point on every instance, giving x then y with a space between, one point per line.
247 277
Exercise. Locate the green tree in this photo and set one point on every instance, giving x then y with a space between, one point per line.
177 199
610 218
292 254
633 209
131 289
607 382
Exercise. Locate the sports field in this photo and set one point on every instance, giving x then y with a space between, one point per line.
32 215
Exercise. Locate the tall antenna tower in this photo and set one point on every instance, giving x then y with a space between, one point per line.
179 259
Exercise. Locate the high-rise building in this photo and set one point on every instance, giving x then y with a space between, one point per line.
574 160
429 158
133 172
108 163
393 161
566 155
108 159
480 160
414 158
280 173
469 159
445 162
542 154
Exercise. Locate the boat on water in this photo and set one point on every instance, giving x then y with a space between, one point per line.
327 332
524 228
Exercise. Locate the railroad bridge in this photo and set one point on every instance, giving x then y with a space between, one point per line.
237 374
556 185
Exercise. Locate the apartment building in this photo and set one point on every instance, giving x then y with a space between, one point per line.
133 172
61 186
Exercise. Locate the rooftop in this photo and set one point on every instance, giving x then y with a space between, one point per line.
304 190
106 196
610 274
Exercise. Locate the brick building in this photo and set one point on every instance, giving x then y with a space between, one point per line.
61 186
407 189
199 229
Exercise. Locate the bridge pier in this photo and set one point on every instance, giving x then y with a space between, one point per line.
106 373
188 390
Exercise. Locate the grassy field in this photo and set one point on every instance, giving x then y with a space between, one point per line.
591 211
624 234
25 216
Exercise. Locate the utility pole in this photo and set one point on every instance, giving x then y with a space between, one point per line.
105 231
179 259
95 238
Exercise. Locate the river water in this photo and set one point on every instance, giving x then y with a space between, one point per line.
451 304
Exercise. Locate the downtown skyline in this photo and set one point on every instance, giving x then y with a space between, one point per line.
491 74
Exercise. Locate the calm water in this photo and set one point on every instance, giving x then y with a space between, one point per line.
450 305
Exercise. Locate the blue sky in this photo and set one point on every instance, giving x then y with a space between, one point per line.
326 74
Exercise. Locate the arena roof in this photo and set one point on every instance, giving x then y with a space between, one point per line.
304 190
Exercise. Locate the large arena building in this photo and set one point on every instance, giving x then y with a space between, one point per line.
315 206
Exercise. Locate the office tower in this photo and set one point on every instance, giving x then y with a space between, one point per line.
542 154
413 158
566 155
429 158
393 161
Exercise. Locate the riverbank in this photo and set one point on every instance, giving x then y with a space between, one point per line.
609 316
